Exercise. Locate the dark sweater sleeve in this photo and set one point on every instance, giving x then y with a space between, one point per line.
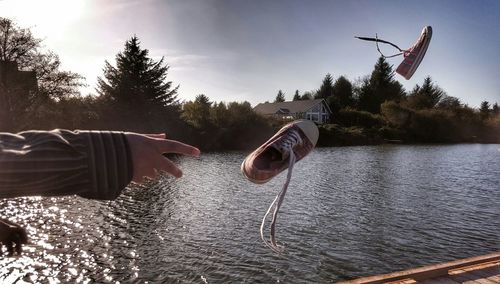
91 164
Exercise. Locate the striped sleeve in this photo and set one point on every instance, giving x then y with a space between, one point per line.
91 164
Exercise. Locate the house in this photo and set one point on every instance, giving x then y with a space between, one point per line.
314 110
13 79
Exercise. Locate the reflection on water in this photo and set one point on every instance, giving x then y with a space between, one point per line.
349 212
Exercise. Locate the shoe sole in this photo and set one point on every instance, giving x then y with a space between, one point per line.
249 178
428 31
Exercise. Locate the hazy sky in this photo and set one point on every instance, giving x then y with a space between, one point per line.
239 50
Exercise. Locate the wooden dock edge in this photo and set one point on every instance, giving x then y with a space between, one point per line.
427 272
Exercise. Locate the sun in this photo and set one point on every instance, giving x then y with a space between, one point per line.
48 18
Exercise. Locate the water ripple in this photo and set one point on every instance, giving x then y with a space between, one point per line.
350 212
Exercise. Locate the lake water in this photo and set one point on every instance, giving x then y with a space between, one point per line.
349 212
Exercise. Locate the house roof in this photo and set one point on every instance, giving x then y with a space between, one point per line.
287 107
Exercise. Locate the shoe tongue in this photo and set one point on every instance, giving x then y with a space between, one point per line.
284 152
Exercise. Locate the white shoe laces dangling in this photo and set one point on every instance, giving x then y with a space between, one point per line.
289 142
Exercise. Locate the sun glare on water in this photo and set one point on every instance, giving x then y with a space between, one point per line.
48 18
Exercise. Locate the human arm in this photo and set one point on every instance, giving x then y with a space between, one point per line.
91 164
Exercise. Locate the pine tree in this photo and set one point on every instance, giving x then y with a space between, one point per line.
484 110
137 80
495 110
197 113
280 97
380 87
326 89
296 97
219 115
343 92
426 96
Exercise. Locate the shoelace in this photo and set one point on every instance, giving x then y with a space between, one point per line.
377 40
287 145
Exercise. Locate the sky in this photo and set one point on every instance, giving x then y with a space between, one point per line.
237 50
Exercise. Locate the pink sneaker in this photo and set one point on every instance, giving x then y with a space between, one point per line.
289 145
415 54
271 158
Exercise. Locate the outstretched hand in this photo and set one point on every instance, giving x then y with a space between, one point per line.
12 236
147 155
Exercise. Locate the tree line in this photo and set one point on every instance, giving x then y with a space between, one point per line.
133 94
376 109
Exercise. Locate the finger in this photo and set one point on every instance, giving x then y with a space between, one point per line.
139 179
143 179
19 248
156 135
172 146
165 165
146 174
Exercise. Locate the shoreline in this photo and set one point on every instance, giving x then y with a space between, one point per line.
365 145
